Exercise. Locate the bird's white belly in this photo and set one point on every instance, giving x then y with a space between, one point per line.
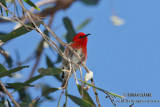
75 59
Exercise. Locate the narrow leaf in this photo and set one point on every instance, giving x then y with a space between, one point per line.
18 32
85 95
2 105
79 101
9 104
9 72
23 104
2 68
29 2
83 24
68 25
49 62
4 4
49 71
116 95
18 85
90 2
34 79
47 91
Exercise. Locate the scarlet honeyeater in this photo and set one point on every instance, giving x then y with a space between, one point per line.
79 44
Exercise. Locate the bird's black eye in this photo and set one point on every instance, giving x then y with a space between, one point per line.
81 37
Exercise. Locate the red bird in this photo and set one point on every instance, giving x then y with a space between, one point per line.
79 44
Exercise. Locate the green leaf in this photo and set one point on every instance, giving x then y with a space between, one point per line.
49 90
18 32
2 105
49 71
2 33
68 25
9 1
131 105
23 104
79 101
46 32
2 68
4 4
100 89
90 2
33 79
83 24
24 96
9 72
1 10
29 2
18 86
9 61
85 95
49 62
9 104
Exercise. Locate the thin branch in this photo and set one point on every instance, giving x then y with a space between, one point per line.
96 94
14 16
75 76
81 80
9 94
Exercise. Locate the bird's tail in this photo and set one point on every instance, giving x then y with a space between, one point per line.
65 80
64 83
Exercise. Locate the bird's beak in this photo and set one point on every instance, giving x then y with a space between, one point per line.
84 36
87 35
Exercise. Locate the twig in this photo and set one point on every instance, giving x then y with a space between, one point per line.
14 16
60 97
75 76
81 80
8 93
96 94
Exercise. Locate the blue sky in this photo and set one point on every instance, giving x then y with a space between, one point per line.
124 59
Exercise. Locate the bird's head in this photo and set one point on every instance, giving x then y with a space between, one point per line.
80 37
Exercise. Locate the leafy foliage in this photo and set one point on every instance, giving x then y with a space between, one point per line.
24 97
80 102
29 2
68 25
85 95
4 4
49 71
100 89
18 32
47 90
9 72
